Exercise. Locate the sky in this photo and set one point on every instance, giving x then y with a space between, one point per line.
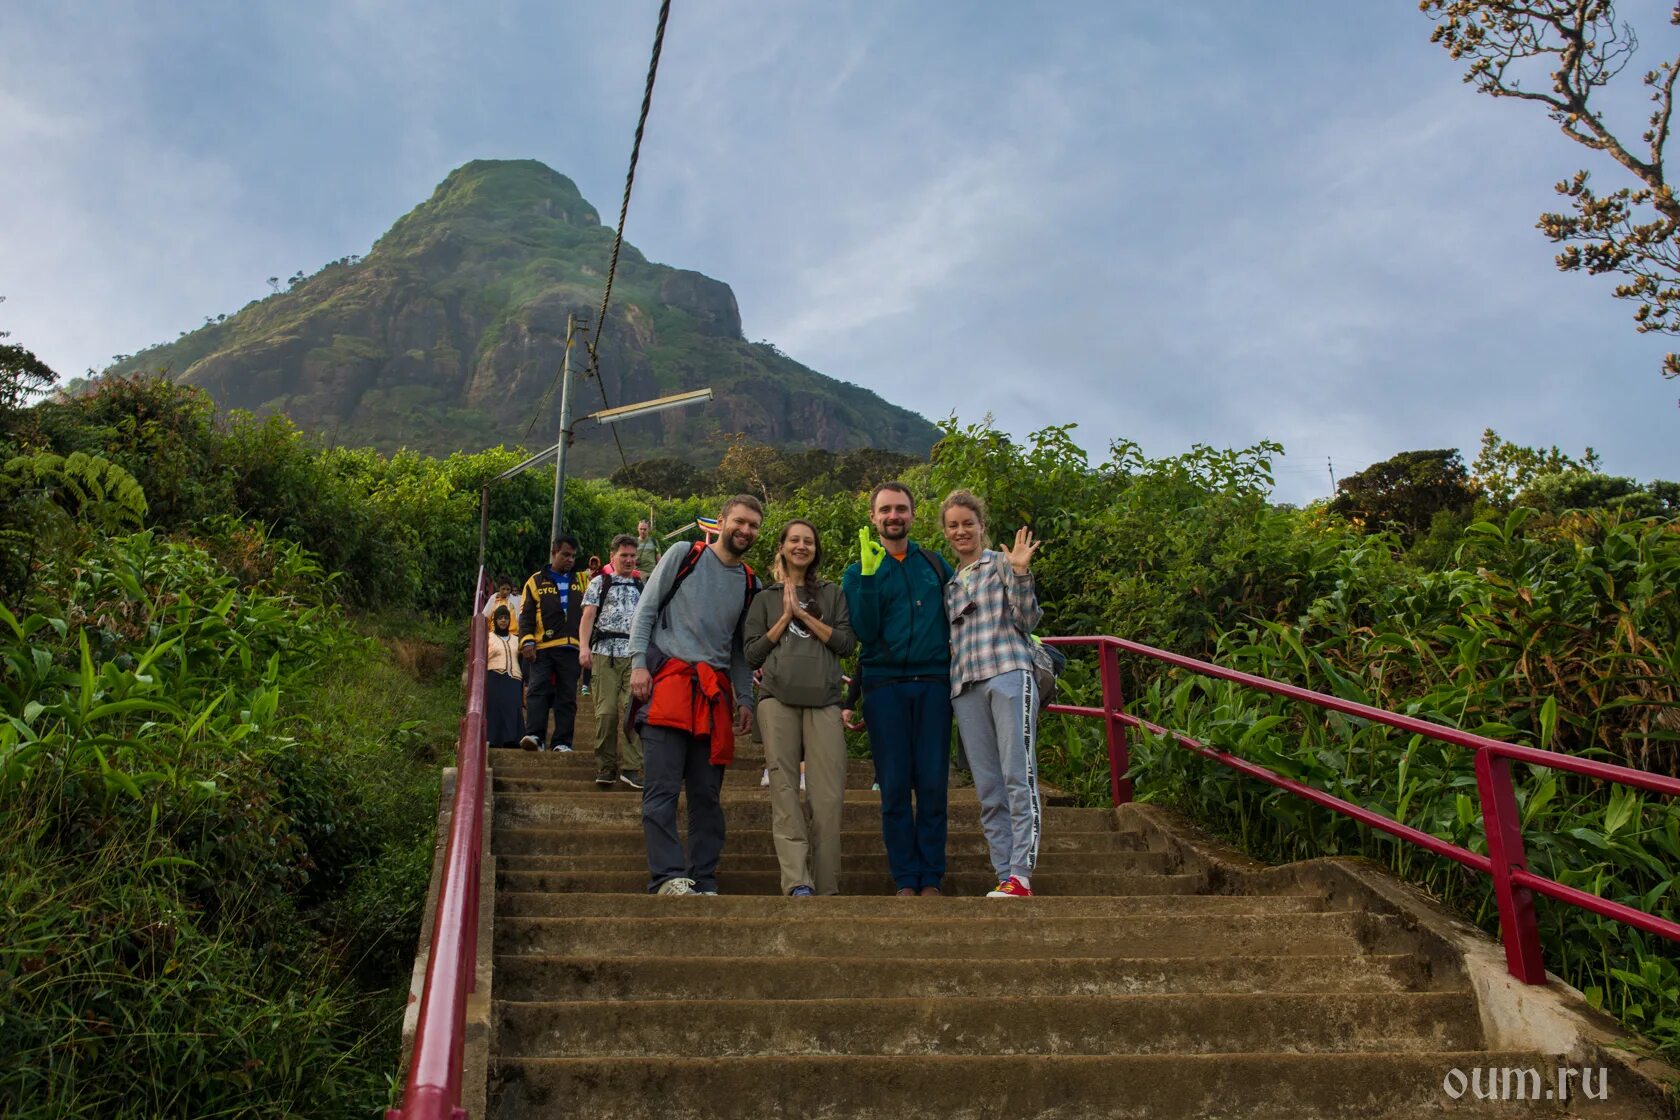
1172 223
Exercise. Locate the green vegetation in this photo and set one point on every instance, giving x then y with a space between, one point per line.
217 827
216 788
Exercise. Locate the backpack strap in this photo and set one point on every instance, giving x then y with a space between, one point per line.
937 563
608 580
683 572
687 569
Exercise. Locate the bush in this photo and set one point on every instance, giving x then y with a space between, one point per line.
205 898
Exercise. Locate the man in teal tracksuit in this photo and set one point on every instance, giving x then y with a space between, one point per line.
897 602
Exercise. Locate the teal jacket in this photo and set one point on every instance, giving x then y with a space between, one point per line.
899 616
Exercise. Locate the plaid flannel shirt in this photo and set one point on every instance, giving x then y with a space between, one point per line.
992 613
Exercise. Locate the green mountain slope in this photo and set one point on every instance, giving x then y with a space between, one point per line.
448 334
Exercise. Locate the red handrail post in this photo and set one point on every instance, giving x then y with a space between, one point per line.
1114 703
1519 929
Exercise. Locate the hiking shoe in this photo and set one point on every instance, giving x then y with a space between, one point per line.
677 886
932 892
906 892
603 781
764 780
801 891
1010 888
631 778
530 743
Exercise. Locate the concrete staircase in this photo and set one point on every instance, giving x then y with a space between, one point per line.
1128 989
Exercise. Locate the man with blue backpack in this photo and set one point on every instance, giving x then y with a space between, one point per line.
895 593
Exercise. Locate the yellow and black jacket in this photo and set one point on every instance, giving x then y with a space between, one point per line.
548 615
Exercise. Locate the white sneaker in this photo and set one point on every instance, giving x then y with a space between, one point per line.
563 748
530 743
802 783
764 780
676 886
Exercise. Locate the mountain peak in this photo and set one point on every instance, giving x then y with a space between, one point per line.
503 192
447 335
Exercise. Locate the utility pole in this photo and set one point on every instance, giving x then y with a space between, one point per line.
565 432
1331 466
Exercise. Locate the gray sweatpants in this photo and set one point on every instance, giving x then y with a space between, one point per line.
998 719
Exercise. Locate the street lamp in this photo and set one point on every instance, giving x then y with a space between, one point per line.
610 416
567 424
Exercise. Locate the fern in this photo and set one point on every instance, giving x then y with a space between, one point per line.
88 487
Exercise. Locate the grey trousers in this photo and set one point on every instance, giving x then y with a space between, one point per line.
998 719
675 763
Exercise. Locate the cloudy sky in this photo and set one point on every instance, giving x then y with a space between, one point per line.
1173 223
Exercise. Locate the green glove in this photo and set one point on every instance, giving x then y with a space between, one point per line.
870 552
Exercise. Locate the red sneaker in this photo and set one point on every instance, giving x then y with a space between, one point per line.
1010 888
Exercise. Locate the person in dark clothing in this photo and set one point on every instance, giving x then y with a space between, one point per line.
895 592
551 606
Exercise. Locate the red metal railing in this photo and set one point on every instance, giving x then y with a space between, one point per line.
1506 862
433 1089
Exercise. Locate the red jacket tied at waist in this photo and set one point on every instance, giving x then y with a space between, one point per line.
696 699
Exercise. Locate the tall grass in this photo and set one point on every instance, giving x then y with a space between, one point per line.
215 800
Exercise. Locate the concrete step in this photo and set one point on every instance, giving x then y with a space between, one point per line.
528 764
583 757
585 788
614 810
559 841
1198 1023
1186 907
740 861
851 882
539 977
929 931
1243 1086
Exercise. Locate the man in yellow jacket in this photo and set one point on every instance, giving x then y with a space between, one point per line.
550 608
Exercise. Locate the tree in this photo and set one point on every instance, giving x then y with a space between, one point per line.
754 468
668 478
1634 231
22 377
1405 492
1503 469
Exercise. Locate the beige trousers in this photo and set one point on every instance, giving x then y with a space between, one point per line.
610 689
807 849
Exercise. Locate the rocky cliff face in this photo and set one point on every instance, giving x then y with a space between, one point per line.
448 334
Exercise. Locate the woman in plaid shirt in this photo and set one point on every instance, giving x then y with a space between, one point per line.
992 607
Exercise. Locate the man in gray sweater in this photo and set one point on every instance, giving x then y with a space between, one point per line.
688 665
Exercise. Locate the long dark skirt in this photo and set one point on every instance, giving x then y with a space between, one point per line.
504 709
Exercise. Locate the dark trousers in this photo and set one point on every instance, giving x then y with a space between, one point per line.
910 736
673 761
551 681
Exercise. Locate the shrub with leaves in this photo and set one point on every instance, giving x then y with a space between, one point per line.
190 860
